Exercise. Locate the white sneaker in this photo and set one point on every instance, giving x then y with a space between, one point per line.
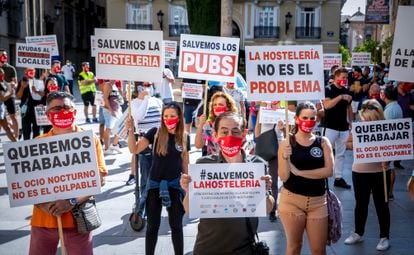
115 148
353 239
109 151
383 244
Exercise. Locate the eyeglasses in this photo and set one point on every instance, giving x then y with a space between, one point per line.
58 108
368 106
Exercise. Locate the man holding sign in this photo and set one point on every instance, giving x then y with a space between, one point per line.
44 235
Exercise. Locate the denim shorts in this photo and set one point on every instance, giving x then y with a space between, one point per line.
109 119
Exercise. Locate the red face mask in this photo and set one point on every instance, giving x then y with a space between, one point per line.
230 85
343 83
306 126
52 87
57 69
171 123
219 110
30 74
356 75
375 96
3 58
62 119
230 145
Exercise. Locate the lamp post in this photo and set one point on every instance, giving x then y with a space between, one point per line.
160 16
288 20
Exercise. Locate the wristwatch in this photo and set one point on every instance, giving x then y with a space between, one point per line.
73 201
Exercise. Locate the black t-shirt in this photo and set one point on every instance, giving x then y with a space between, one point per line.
31 103
361 94
336 117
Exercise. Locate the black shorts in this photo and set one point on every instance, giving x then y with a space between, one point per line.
88 98
10 105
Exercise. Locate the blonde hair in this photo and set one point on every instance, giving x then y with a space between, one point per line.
230 103
371 110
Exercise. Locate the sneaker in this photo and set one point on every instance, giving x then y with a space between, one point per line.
341 183
272 216
115 148
95 120
383 244
109 151
131 180
88 120
353 239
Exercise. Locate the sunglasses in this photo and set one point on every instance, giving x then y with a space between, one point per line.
368 106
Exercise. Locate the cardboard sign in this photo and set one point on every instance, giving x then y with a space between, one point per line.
377 12
192 91
227 190
361 59
170 49
208 57
270 116
33 56
45 41
292 72
41 117
52 168
330 60
123 54
386 140
402 56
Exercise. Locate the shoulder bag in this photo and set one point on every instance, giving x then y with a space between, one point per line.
267 145
86 216
334 216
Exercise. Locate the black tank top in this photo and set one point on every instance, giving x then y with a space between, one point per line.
306 158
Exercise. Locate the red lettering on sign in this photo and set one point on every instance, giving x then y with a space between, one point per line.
284 87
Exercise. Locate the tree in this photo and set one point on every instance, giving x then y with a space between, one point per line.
204 16
373 47
345 54
387 48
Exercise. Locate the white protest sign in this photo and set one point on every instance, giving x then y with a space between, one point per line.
227 190
124 54
170 49
330 60
361 59
208 57
402 56
385 140
46 41
93 46
192 90
51 168
33 56
271 116
41 117
99 98
292 72
120 127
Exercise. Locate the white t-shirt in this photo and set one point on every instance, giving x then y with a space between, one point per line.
165 88
68 71
39 85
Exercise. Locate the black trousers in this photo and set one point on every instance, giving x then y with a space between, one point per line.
364 185
153 208
29 125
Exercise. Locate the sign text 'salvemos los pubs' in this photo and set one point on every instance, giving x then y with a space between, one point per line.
386 140
33 56
129 54
284 72
227 190
52 168
208 57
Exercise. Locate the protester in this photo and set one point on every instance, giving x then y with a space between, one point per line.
237 96
304 164
44 236
5 94
338 111
111 110
87 89
406 99
190 106
68 71
204 139
226 235
171 159
368 179
55 72
51 85
165 90
357 89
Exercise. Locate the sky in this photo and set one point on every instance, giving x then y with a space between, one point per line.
351 6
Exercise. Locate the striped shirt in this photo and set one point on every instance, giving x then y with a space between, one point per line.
146 113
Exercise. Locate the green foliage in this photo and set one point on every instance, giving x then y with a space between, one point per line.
373 47
345 55
204 17
387 47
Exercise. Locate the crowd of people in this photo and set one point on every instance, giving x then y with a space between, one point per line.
158 139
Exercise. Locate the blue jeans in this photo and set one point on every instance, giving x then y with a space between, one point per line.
145 162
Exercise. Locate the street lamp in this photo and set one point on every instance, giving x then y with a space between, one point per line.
58 9
288 19
160 16
347 23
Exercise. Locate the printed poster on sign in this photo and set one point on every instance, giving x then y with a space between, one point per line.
41 117
124 54
192 91
377 12
45 41
330 60
385 140
170 49
292 72
402 56
51 168
34 56
361 58
208 57
227 190
270 116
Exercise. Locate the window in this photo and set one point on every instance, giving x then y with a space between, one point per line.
265 25
139 16
308 23
178 20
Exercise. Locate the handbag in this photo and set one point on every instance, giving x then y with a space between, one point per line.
334 216
267 145
259 247
23 108
86 216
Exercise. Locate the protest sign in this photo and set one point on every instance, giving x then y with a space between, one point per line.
292 72
271 116
377 12
170 49
33 56
385 140
402 56
208 57
330 60
45 41
192 91
120 128
51 168
361 59
124 54
227 190
41 117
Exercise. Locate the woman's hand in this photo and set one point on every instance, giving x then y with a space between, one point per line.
268 180
185 181
286 149
202 120
129 123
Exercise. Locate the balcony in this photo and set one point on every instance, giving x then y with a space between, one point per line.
308 33
139 26
266 32
177 30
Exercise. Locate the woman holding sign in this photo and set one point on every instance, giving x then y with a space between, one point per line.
368 179
304 163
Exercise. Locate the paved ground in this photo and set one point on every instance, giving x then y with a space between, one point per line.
115 205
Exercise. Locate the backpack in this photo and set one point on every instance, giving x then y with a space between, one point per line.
334 216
